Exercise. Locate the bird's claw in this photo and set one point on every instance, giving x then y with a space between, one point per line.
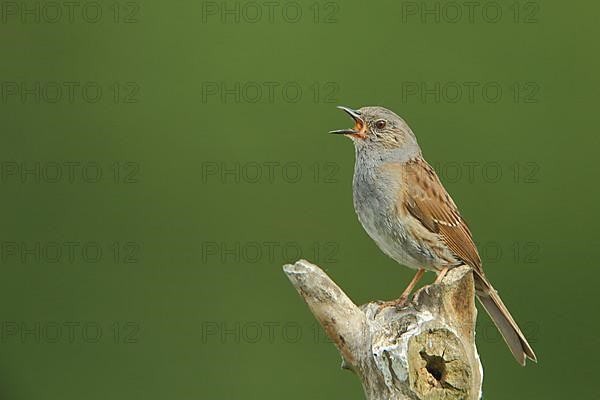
398 304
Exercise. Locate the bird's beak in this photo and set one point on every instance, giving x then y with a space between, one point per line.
358 123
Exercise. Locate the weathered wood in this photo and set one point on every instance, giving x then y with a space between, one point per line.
423 350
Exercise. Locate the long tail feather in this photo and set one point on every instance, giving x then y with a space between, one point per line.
505 323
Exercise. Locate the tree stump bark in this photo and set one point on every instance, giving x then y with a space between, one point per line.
423 350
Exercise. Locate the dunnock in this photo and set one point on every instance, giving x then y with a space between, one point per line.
404 208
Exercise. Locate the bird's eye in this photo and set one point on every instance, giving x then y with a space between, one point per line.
380 124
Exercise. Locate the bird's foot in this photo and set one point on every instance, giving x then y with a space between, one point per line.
398 303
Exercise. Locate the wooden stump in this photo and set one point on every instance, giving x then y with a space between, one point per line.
423 350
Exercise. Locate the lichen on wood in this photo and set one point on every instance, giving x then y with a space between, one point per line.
422 350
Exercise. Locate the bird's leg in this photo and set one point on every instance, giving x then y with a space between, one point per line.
404 296
411 286
441 276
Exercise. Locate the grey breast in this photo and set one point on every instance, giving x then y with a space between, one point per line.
374 194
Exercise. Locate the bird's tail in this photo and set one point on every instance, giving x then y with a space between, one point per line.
505 323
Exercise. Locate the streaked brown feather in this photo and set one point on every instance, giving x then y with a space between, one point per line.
429 202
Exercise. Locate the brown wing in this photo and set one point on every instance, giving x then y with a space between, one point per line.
429 202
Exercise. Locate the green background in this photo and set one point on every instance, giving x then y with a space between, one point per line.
186 317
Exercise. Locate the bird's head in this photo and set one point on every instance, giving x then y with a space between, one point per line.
377 128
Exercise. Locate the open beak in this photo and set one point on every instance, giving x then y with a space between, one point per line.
358 123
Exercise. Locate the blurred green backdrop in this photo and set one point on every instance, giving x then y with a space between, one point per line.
162 160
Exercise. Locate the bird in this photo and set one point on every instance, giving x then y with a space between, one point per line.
403 206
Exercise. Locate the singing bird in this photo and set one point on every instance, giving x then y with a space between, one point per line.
406 210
